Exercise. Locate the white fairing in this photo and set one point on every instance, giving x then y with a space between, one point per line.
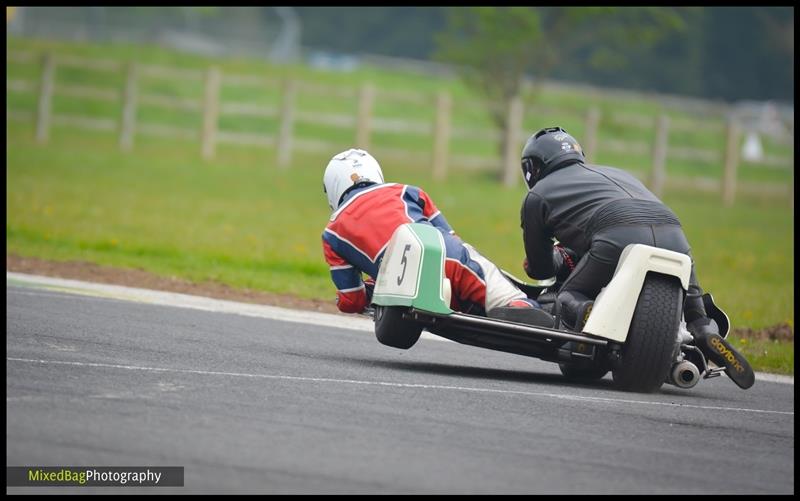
613 308
398 275
414 259
346 169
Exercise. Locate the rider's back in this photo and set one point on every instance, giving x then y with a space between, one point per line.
362 226
582 199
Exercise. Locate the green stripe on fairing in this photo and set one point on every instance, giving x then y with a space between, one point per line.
429 281
429 293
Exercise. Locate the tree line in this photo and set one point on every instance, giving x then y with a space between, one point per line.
728 53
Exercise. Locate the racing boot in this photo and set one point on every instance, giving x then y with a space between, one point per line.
718 350
573 309
523 311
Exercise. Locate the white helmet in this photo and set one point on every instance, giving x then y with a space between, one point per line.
346 169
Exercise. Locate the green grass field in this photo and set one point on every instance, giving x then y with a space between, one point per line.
242 221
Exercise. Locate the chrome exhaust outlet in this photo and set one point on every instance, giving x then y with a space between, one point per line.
684 374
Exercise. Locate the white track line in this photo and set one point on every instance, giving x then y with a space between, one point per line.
343 321
392 384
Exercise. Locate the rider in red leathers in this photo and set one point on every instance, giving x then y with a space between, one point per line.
367 211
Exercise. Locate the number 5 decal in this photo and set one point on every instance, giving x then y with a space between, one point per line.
404 262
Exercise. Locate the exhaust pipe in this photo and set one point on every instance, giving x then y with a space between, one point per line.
684 374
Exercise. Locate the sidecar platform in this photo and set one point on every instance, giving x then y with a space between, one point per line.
521 339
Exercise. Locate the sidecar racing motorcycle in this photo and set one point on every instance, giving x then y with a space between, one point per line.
635 329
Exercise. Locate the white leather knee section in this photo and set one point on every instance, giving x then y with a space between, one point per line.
499 290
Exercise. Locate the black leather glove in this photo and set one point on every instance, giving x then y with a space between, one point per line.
564 261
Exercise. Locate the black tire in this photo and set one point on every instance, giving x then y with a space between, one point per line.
393 330
588 372
648 351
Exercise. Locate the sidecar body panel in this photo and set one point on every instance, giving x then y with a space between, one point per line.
613 309
412 270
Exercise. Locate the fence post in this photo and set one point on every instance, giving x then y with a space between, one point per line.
658 173
286 124
511 156
127 128
44 108
210 112
441 135
590 136
731 163
366 96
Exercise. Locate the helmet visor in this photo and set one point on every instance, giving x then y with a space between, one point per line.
528 172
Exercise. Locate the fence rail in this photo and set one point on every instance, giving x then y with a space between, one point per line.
364 123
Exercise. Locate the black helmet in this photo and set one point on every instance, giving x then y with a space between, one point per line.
546 151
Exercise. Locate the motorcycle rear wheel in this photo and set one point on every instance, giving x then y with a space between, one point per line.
648 350
393 330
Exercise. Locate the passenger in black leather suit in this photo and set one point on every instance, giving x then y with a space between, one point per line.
596 212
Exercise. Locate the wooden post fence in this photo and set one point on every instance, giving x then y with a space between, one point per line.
45 104
127 129
590 136
658 173
366 97
511 156
441 135
133 96
211 112
731 163
286 124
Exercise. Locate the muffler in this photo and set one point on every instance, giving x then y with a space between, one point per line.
684 374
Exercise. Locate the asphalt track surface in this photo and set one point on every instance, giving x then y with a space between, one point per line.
252 405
